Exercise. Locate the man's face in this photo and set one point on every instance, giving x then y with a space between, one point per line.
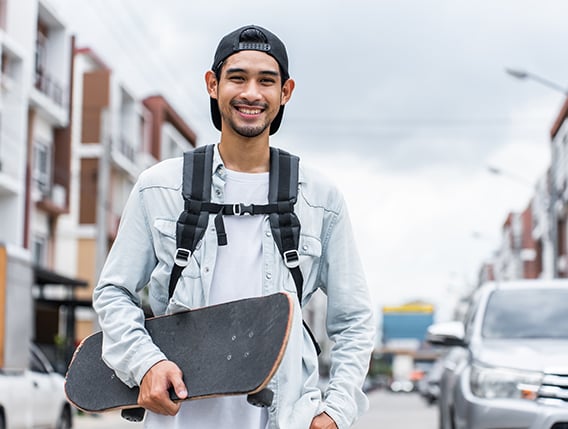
249 92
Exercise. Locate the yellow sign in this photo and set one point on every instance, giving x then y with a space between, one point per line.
410 308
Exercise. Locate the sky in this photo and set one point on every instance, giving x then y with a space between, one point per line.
403 104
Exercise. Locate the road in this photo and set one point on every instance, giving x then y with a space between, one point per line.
397 411
387 410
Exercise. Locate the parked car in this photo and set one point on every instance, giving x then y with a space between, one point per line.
429 385
508 362
34 397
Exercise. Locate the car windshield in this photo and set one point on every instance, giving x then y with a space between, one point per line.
538 313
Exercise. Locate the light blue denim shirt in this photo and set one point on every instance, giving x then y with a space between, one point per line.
142 256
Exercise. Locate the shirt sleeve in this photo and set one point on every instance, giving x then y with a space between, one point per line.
127 347
350 322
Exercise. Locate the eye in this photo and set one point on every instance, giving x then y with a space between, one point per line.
268 81
236 78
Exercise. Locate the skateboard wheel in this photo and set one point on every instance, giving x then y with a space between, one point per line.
261 399
133 414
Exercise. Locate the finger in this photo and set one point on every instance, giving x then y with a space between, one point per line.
161 404
180 389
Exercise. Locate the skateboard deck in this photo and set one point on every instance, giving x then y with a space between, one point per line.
227 349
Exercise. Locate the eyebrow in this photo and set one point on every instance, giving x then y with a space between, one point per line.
241 70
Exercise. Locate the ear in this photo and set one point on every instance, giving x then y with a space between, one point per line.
211 82
287 90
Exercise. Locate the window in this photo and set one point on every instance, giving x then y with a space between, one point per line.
39 250
42 167
41 54
530 313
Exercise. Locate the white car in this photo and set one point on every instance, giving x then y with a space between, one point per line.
508 367
34 398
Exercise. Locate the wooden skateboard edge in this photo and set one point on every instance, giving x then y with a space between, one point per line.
283 347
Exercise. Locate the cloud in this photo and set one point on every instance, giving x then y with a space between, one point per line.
402 103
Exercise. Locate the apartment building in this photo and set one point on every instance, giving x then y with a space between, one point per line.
34 118
115 134
73 139
534 243
35 65
559 190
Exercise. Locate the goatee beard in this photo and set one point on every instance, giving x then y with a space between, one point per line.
250 131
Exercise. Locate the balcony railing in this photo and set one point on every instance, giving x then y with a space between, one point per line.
50 87
126 148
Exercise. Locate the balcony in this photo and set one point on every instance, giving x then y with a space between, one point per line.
52 60
125 155
126 148
50 87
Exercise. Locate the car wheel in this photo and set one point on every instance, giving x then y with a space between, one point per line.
64 421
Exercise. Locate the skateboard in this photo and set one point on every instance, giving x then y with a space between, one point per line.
226 349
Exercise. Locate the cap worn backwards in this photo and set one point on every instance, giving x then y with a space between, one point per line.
235 42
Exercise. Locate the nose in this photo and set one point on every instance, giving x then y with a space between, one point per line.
251 91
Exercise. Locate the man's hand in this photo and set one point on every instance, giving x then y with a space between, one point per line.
323 421
154 395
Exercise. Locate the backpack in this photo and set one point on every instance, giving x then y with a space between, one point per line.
282 195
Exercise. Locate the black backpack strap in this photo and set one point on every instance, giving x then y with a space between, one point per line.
192 222
285 225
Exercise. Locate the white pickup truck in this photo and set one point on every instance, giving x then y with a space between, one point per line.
33 398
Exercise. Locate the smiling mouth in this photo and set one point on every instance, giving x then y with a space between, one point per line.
249 110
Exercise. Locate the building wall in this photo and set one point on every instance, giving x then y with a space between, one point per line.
17 55
87 251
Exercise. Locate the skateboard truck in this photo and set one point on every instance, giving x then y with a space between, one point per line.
133 414
261 399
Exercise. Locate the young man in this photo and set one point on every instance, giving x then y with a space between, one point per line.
249 85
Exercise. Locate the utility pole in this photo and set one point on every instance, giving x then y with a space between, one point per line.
103 181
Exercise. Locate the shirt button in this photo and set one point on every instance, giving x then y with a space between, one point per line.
206 270
305 247
268 276
268 233
218 192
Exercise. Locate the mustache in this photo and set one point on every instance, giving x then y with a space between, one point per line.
247 103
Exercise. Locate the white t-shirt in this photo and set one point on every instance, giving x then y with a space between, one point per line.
238 274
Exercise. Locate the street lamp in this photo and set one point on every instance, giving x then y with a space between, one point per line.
553 228
523 75
500 172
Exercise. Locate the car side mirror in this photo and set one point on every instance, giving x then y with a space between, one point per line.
446 334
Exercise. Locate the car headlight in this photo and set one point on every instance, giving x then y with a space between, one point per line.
493 382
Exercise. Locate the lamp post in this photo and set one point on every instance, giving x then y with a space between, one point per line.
553 197
514 177
524 75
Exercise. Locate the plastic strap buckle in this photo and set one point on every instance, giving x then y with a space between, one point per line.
242 209
291 258
181 257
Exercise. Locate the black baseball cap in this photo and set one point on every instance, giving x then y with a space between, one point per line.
233 43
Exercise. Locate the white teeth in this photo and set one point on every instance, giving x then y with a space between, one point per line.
250 111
